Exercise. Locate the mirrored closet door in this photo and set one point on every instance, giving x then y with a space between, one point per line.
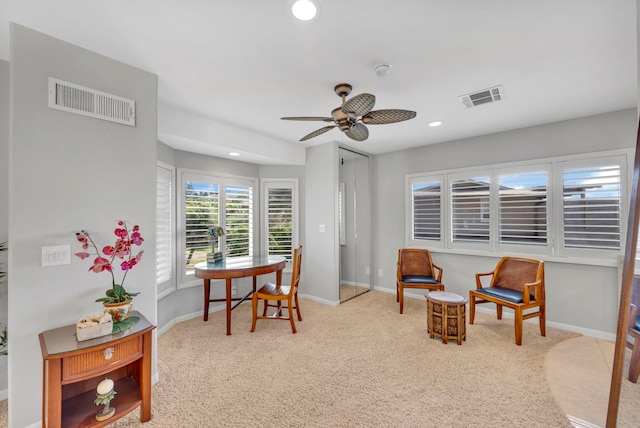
354 224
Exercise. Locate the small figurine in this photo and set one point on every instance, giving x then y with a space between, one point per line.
104 394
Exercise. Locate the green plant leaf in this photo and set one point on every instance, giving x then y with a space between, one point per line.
124 324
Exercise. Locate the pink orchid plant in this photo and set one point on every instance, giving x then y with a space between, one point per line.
104 261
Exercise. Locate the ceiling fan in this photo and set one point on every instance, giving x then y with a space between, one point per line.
353 114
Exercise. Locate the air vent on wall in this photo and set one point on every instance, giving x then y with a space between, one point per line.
77 99
482 97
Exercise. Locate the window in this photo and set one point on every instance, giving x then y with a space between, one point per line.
208 201
569 206
470 215
523 208
239 220
591 198
280 216
426 202
165 229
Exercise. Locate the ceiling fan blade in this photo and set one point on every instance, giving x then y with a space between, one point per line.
379 117
315 118
358 132
317 132
360 104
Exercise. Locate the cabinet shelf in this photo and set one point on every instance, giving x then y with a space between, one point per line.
72 370
80 411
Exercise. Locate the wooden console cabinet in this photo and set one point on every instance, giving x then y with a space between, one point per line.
71 372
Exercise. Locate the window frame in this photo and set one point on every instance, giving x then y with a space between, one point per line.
519 247
185 279
279 183
409 220
565 251
168 286
555 220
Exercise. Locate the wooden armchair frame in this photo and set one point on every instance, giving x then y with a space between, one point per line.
415 269
633 331
517 283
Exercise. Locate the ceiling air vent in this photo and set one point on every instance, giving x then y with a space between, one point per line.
482 97
77 99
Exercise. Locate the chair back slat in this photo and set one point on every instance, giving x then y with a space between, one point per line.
513 273
415 261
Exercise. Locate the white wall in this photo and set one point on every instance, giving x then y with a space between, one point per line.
70 172
577 295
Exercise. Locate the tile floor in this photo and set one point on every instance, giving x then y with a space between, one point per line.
579 374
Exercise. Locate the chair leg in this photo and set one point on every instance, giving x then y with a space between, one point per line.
254 312
298 308
518 326
265 307
499 311
397 293
293 324
472 308
401 297
543 321
634 364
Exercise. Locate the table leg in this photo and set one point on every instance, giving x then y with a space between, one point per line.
207 290
228 295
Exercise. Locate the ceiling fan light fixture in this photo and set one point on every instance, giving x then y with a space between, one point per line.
304 10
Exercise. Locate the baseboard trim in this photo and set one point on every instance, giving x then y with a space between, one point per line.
579 423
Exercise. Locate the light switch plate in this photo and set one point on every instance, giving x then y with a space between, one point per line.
56 255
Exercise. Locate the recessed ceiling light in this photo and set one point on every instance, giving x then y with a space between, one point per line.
234 154
304 10
435 123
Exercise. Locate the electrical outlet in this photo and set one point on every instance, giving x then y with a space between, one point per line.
234 290
367 271
380 273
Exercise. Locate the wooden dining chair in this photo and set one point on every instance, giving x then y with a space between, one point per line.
274 295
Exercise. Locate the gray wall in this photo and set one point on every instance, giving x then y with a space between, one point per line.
187 302
322 251
70 172
4 206
581 296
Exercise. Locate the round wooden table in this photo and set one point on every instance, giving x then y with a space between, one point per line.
236 267
446 316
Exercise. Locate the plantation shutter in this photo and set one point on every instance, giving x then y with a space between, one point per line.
426 200
523 208
280 221
592 207
470 213
164 226
239 220
202 201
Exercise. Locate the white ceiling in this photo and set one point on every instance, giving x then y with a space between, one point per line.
242 64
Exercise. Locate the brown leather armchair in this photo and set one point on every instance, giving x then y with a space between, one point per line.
416 270
633 330
517 283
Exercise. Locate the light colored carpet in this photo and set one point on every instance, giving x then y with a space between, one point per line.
360 364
